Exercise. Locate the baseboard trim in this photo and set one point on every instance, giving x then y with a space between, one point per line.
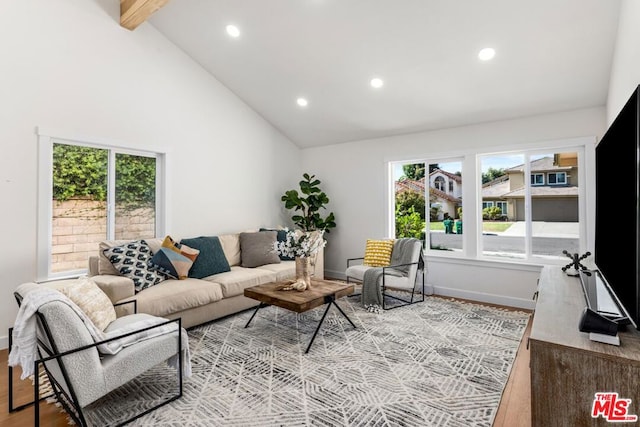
461 293
4 342
488 298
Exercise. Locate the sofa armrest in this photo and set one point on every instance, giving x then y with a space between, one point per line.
93 265
117 288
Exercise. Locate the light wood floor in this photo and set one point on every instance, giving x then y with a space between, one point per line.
514 409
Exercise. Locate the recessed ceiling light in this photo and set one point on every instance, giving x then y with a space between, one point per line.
486 54
233 31
376 82
302 102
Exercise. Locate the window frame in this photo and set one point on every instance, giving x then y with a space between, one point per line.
502 206
471 193
556 174
534 179
46 140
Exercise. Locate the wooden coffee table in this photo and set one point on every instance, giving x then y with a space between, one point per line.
321 292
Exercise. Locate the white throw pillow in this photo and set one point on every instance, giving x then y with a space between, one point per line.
92 300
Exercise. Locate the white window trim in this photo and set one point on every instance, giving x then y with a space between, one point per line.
556 174
535 175
46 139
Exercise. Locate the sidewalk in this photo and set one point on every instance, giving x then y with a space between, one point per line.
544 229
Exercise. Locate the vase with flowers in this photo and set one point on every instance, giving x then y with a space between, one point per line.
303 246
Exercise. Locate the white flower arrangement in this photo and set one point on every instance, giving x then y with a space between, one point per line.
300 244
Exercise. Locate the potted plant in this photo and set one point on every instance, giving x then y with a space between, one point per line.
310 237
309 204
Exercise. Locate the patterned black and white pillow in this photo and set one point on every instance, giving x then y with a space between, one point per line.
131 260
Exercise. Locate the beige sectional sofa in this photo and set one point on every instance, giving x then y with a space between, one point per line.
196 301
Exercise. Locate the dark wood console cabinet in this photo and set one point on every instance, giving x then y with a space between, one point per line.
567 368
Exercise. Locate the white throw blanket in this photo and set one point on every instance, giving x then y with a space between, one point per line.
24 349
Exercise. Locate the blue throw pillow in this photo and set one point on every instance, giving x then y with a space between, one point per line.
281 237
211 259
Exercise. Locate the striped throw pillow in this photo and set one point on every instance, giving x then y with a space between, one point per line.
378 252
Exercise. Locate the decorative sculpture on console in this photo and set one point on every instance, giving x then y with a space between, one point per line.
575 262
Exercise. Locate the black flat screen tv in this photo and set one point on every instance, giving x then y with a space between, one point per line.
617 219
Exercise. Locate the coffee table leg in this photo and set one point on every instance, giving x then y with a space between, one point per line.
255 312
318 328
344 314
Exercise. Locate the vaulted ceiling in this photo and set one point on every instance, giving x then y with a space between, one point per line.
551 56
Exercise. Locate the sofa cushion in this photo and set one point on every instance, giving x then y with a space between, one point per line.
184 250
281 236
173 296
171 264
231 247
284 270
257 249
211 259
132 260
105 266
235 281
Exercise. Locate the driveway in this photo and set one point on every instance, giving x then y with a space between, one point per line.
545 229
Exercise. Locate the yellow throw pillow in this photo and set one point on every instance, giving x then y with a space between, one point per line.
378 252
91 299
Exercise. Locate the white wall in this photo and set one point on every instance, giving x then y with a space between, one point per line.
625 71
68 65
354 177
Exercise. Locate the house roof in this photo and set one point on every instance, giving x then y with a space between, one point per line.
418 186
452 176
544 164
496 188
545 191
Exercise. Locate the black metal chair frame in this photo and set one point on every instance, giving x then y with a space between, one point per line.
384 287
69 400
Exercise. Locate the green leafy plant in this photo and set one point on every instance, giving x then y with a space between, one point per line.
408 199
81 172
409 224
308 203
491 213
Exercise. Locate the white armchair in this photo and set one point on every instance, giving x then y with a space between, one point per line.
79 373
403 281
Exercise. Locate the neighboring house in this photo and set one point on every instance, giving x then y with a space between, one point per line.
445 191
554 190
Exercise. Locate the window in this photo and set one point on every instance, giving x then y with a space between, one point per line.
556 178
507 216
537 179
521 225
89 193
413 192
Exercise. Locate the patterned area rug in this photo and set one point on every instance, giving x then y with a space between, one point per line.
437 363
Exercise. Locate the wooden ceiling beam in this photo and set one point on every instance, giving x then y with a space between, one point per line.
135 12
